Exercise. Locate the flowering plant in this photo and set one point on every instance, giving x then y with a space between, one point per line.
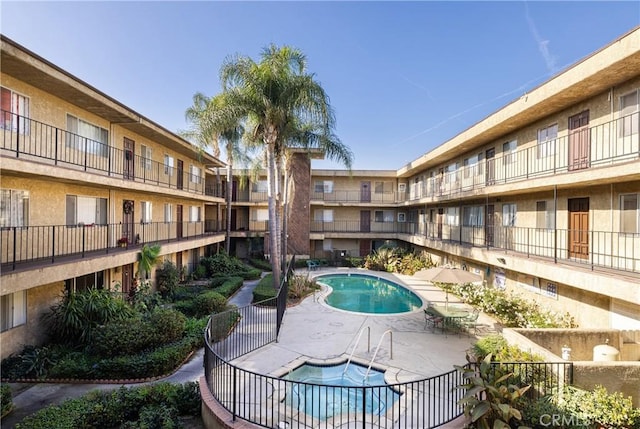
123 240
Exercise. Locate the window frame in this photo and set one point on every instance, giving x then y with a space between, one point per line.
623 212
402 217
168 212
7 221
76 213
509 149
169 164
545 217
509 219
146 212
473 216
146 153
195 213
195 174
12 316
628 126
8 122
546 146
76 138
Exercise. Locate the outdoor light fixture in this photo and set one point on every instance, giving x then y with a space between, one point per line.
502 261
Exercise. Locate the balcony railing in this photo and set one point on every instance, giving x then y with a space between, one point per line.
33 140
340 196
39 245
609 143
604 249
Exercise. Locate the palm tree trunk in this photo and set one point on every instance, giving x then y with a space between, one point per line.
273 219
227 244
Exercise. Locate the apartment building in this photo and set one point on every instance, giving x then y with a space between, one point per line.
542 197
86 182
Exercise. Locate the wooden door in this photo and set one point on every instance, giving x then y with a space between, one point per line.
127 279
180 175
439 221
234 219
365 192
128 209
179 221
179 264
490 162
579 228
365 221
365 247
489 224
129 159
579 141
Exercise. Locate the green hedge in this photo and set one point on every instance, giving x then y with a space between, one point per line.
6 400
264 289
262 264
151 406
230 286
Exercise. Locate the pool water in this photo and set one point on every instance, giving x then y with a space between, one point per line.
368 294
333 391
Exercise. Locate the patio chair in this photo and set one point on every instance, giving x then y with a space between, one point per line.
471 321
312 264
433 320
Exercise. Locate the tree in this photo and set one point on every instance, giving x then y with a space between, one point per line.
147 258
207 133
282 107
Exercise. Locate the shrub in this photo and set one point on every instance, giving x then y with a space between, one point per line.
149 406
264 290
167 278
77 316
230 286
300 286
262 264
6 400
168 325
208 303
502 351
396 260
74 365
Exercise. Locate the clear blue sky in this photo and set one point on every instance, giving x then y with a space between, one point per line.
403 77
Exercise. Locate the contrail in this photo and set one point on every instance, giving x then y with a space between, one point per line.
543 45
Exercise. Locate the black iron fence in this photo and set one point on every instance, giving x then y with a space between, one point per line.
33 140
53 243
281 402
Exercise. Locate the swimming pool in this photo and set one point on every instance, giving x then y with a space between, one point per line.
367 294
334 392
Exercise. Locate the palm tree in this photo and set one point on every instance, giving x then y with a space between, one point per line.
147 259
282 107
207 133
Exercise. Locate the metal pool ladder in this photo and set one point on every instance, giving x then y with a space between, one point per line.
390 332
355 345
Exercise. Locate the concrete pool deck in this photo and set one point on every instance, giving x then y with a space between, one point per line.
314 332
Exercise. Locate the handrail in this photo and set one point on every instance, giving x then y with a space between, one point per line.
390 332
355 345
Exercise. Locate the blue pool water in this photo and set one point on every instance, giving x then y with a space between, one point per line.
333 393
368 294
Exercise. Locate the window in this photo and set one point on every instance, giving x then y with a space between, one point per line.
13 106
260 186
14 310
509 152
402 188
452 216
194 213
382 187
86 282
145 153
629 120
452 172
14 208
323 186
402 217
545 215
508 215
472 166
473 216
145 212
262 215
85 136
547 141
86 210
630 213
195 174
168 212
168 165
321 215
383 216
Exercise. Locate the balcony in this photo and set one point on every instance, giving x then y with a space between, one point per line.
607 144
33 246
595 249
341 196
28 139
